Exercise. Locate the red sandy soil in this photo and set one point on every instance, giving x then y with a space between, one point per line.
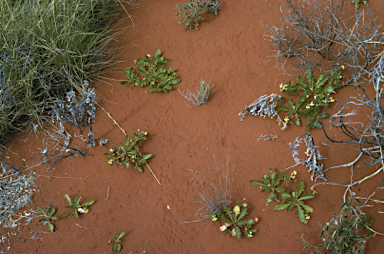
230 50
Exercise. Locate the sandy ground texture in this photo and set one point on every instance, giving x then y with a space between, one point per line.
229 49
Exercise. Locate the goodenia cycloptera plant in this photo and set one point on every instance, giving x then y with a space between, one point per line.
48 216
315 96
75 206
152 68
233 220
290 199
128 154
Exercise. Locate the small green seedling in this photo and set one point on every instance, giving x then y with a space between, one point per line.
128 154
75 206
116 246
48 216
233 220
152 68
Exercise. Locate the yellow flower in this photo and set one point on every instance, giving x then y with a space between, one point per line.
307 217
313 191
312 104
245 204
236 209
148 55
294 172
308 107
286 119
281 86
293 176
332 100
110 162
342 67
145 133
250 234
305 222
272 94
214 218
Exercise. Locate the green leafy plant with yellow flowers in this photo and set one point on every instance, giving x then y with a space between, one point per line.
272 184
128 154
290 199
48 216
343 234
115 241
75 206
152 68
315 97
233 220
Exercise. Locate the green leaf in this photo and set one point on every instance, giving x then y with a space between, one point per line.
67 198
63 215
158 53
238 233
280 207
114 247
43 220
300 213
243 212
122 233
112 236
307 208
50 226
40 210
88 203
118 247
254 182
301 188
310 79
308 196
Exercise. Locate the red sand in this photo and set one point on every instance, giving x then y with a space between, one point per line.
230 50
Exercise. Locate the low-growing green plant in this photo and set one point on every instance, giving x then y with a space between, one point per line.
152 68
358 2
271 184
290 199
233 220
296 199
202 95
316 95
115 241
75 206
48 216
343 234
191 13
128 154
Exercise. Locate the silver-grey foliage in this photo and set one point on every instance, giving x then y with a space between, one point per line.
202 95
16 190
313 157
264 106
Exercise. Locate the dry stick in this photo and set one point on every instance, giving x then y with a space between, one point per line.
109 115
